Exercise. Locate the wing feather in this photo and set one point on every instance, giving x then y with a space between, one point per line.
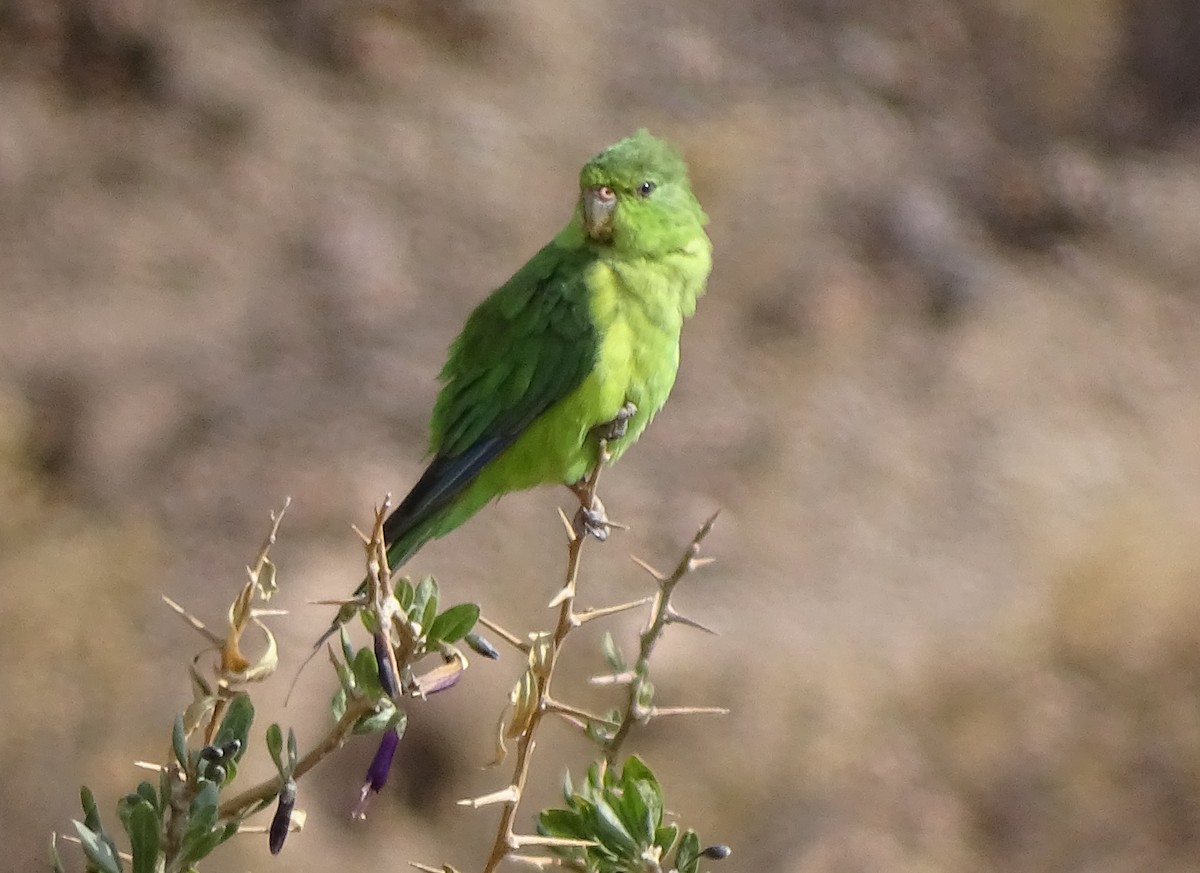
524 348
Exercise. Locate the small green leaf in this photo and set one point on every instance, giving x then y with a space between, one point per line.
344 673
612 777
98 850
453 624
639 801
149 793
266 578
91 812
403 592
338 704
125 808
236 724
179 742
636 770
274 740
366 672
425 591
611 831
602 732
585 812
379 720
645 694
595 779
630 806
561 823
687 859
202 814
666 836
347 648
199 839
164 787
91 819
145 831
611 653
652 801
427 617
293 755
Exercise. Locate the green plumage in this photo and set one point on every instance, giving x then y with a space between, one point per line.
590 323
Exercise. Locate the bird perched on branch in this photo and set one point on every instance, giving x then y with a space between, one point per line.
581 343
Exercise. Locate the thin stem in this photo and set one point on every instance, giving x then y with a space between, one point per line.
512 639
506 840
605 611
661 615
356 708
579 717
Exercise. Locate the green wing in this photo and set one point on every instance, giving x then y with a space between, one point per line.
527 346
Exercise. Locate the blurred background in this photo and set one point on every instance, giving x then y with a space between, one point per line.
945 389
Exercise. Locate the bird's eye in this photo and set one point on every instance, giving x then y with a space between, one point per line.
646 188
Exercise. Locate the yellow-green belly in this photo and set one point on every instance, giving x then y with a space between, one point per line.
638 357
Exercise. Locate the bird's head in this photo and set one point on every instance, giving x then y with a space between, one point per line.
635 197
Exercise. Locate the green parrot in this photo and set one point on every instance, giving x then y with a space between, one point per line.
586 334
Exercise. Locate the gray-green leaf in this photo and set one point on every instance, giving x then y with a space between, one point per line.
144 833
179 742
91 812
453 624
236 724
275 745
97 849
687 859
611 653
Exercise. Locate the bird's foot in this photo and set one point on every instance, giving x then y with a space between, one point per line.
593 520
615 429
590 518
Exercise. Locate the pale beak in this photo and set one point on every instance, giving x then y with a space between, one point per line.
599 203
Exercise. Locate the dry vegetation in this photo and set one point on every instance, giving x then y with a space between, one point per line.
945 386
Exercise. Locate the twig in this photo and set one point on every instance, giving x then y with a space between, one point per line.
512 639
507 841
356 708
661 614
603 612
578 717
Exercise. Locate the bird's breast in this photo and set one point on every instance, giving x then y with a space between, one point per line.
638 319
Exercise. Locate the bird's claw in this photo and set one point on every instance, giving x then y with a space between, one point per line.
615 429
593 521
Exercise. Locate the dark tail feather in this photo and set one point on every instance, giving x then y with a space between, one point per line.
411 524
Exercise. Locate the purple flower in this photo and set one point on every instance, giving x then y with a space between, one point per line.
377 773
387 676
282 822
441 677
482 646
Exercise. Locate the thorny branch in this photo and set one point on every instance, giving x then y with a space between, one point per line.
661 614
507 840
